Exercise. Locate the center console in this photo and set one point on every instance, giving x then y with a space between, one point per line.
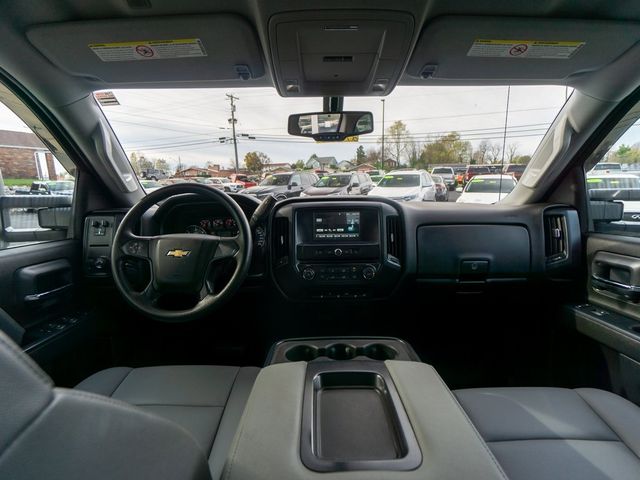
354 408
336 250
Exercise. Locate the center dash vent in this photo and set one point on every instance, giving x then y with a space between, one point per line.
394 240
555 234
280 241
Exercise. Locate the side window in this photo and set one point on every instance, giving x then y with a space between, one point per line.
36 185
307 181
612 176
295 179
426 180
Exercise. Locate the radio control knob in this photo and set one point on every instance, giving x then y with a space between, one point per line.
337 252
308 273
368 272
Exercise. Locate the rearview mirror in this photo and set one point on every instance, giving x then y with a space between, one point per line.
330 127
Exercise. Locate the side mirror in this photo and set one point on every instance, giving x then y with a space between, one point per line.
293 184
330 127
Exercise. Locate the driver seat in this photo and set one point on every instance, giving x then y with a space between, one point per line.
160 422
206 400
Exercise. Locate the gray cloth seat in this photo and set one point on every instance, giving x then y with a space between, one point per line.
207 401
55 433
556 433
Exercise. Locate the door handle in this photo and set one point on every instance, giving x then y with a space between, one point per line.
630 291
40 297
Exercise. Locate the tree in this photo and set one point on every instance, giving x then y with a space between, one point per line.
447 149
480 155
510 154
134 163
374 157
162 164
415 155
397 139
256 161
143 163
522 159
299 165
494 153
361 156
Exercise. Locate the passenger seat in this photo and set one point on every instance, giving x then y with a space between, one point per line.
556 433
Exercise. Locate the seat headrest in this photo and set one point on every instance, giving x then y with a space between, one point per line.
25 390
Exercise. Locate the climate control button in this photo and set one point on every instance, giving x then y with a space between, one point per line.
308 273
368 272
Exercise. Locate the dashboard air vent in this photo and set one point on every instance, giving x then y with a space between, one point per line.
394 239
555 232
281 241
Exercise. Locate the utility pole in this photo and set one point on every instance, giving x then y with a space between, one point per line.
233 126
382 149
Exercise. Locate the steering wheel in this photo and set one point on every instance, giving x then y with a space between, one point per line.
181 263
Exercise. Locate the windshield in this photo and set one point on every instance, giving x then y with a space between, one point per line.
399 180
431 128
437 178
275 180
613 182
334 181
490 185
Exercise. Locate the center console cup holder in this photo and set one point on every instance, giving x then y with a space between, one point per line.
327 349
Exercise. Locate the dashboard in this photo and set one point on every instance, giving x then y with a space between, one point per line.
320 249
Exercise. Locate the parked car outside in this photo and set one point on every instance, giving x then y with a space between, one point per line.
606 167
341 184
487 189
283 185
376 179
619 187
448 176
442 190
460 171
153 174
243 180
406 186
473 170
150 185
226 185
48 187
515 169
172 181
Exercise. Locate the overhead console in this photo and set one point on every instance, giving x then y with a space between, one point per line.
339 53
336 250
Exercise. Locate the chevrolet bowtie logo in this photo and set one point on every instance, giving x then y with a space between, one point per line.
177 253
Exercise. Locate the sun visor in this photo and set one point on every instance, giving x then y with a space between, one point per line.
200 48
523 50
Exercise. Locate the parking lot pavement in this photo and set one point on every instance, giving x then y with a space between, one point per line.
453 196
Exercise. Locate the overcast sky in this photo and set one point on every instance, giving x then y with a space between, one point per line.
188 123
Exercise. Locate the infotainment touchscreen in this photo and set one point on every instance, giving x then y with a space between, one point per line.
342 225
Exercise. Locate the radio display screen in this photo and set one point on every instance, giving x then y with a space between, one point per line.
342 225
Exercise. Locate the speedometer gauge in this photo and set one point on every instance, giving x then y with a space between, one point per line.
196 229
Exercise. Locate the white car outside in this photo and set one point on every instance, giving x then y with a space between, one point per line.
406 186
226 184
487 189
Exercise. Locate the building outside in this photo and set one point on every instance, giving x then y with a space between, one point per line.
23 155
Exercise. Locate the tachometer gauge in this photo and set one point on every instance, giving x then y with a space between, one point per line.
196 229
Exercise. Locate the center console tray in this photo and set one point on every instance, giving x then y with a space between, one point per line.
344 348
353 419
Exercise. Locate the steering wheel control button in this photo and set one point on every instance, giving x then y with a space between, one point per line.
308 273
368 272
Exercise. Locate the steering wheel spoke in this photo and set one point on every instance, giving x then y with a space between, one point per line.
136 246
228 247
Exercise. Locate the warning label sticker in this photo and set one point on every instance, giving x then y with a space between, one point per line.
524 49
149 50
